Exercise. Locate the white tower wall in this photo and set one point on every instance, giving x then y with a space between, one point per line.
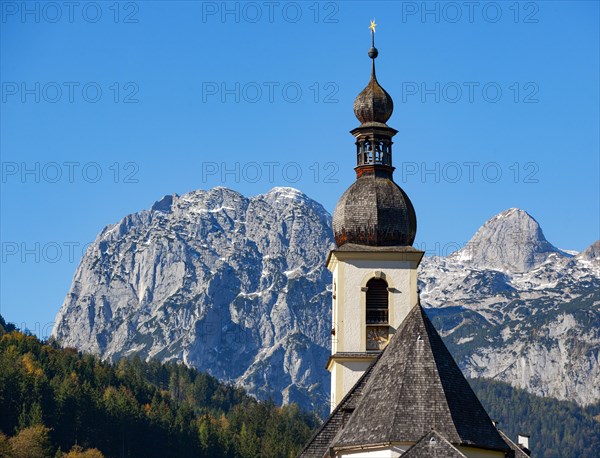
355 343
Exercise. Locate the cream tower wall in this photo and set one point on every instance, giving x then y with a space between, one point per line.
351 272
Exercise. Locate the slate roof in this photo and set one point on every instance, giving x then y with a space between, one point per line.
433 445
414 386
318 446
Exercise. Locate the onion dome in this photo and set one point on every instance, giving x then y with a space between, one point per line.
373 104
374 211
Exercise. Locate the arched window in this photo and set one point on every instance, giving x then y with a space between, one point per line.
377 301
368 153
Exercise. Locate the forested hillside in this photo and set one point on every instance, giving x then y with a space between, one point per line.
557 428
53 399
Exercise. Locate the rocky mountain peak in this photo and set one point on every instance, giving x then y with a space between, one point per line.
591 253
207 274
165 204
284 196
511 241
286 192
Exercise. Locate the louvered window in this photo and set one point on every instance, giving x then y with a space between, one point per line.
377 301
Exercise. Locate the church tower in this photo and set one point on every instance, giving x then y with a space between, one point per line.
396 391
374 266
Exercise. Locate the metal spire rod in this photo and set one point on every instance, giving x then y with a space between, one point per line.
373 51
372 27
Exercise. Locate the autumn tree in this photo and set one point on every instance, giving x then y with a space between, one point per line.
32 442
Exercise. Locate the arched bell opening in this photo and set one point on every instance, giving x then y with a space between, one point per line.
377 314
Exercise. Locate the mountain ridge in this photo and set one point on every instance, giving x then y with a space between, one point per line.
213 273
521 313
205 273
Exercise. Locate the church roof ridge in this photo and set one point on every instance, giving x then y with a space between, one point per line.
433 393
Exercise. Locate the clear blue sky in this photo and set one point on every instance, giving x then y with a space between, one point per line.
498 102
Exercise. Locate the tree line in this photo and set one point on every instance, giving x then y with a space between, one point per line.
61 403
557 428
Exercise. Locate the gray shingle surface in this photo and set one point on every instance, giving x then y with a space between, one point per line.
318 446
373 104
416 386
374 211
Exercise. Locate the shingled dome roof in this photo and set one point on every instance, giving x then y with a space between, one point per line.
373 104
374 211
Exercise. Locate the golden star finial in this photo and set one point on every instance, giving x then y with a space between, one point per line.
372 26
